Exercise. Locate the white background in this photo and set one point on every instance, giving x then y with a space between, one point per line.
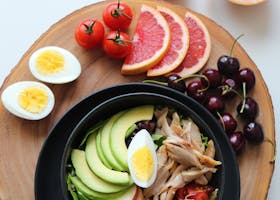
22 22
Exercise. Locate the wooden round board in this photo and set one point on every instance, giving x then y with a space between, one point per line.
21 140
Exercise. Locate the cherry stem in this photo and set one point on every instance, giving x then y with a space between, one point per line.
119 2
244 97
157 82
89 29
118 40
117 12
181 79
191 76
227 89
195 76
274 147
221 118
235 41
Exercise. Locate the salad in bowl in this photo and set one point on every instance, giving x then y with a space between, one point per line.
142 146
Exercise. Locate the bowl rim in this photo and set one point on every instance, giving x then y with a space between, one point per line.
80 127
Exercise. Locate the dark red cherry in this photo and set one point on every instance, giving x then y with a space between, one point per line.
228 123
214 78
237 140
172 83
247 76
229 88
149 125
215 104
253 132
228 65
250 109
196 90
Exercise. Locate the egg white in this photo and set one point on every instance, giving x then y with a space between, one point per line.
10 95
70 72
141 139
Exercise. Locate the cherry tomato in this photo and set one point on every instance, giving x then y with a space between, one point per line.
117 16
194 192
89 33
181 193
200 195
116 44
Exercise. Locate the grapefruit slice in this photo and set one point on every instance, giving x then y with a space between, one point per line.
199 47
246 2
150 42
178 46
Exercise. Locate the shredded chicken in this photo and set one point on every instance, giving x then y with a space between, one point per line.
202 180
182 158
163 123
175 180
206 159
140 195
195 135
176 126
163 196
210 151
171 193
162 156
194 173
156 197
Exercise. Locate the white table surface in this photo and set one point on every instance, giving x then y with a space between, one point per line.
22 22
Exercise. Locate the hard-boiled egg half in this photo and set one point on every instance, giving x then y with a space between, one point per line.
53 64
28 99
142 159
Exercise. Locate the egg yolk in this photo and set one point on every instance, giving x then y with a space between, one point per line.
142 163
49 62
33 99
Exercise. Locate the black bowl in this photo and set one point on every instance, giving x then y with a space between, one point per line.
47 180
121 102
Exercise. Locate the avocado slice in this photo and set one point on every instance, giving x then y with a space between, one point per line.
100 150
128 194
105 142
81 196
120 127
91 194
95 164
92 181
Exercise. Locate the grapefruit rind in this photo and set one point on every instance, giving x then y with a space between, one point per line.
176 24
143 66
185 71
247 2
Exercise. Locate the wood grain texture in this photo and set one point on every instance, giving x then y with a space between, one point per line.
21 140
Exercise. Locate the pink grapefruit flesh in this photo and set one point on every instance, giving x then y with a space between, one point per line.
150 42
199 47
178 46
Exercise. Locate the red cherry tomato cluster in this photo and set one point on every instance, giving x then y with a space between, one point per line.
90 33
